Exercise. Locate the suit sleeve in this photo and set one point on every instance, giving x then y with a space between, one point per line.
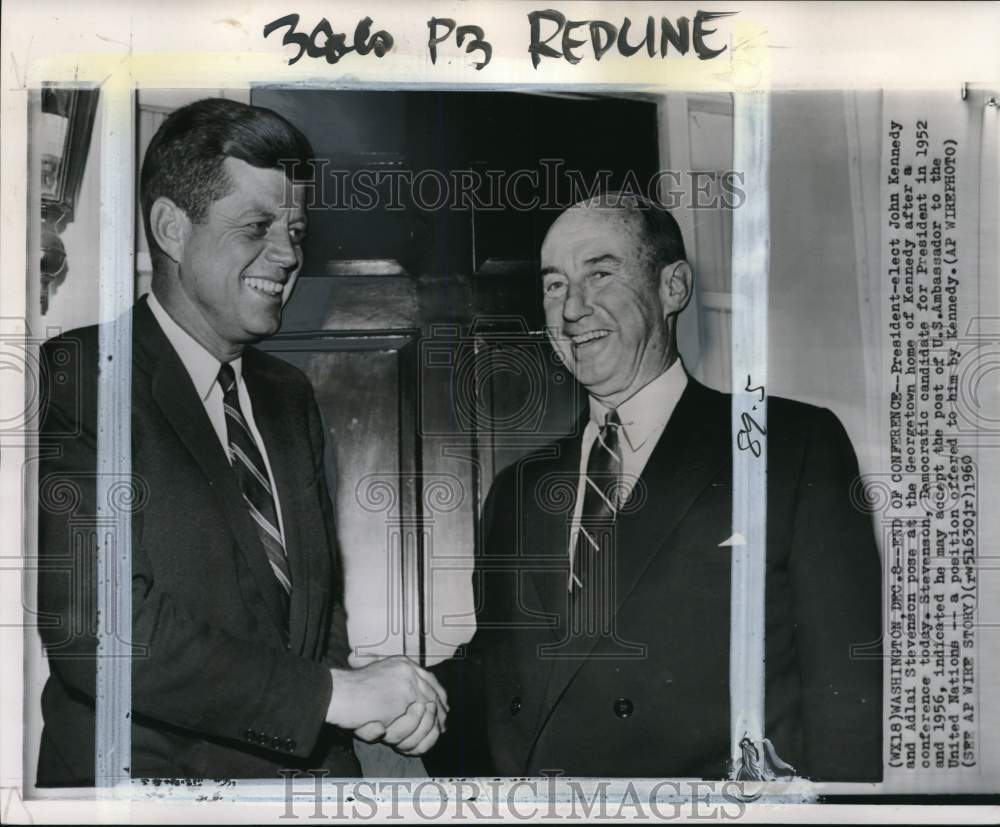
836 585
185 671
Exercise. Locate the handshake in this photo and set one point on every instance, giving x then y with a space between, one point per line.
391 700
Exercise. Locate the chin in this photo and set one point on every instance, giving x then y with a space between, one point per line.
593 377
263 328
594 385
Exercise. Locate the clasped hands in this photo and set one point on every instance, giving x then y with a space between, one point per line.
391 700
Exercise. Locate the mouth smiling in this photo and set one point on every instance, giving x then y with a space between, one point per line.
582 340
266 287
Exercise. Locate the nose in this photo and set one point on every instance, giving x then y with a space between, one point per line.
576 306
280 249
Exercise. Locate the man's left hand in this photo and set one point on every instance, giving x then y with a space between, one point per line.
412 733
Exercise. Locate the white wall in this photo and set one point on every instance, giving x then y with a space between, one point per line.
816 346
823 189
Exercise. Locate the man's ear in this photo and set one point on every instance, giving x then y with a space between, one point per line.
169 225
676 284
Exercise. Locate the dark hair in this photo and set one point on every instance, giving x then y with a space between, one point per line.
660 231
184 161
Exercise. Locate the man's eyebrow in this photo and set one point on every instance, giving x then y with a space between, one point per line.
604 258
257 210
261 212
548 270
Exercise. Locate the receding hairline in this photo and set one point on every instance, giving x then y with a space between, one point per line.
587 208
658 235
630 211
631 206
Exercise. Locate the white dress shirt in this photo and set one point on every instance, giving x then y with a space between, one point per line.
643 415
203 368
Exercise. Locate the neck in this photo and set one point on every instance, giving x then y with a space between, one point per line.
192 322
613 400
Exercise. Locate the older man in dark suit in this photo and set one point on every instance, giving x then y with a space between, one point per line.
604 616
240 667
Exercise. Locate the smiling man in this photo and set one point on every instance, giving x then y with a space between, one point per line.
602 646
240 667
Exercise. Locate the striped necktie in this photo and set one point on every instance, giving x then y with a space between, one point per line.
251 473
600 500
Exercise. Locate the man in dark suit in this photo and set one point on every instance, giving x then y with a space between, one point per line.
240 658
603 617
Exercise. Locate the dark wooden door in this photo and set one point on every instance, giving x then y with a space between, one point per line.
421 328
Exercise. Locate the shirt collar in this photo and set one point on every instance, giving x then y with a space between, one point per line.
202 366
649 409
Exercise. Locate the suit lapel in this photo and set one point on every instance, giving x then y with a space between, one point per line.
283 442
690 454
687 457
548 502
174 392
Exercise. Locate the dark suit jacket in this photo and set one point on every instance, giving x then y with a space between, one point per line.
217 690
666 712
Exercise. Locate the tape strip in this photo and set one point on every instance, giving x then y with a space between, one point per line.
750 252
113 741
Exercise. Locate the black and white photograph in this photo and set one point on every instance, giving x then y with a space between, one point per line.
498 411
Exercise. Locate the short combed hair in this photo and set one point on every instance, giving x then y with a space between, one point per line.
184 161
662 234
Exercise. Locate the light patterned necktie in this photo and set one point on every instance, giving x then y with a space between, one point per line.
600 500
251 473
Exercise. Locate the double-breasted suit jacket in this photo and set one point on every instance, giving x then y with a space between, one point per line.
649 697
222 685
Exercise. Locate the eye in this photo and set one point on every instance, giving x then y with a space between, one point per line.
554 287
297 235
258 229
599 275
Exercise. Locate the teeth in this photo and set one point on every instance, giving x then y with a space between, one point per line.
272 288
583 338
